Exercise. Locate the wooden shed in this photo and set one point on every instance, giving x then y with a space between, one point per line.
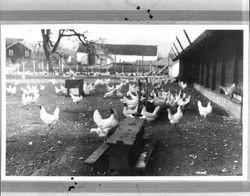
214 58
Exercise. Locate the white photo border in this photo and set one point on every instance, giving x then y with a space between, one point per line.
243 181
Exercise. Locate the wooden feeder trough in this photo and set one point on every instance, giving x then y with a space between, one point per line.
126 148
74 84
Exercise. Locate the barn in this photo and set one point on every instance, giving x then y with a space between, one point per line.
215 59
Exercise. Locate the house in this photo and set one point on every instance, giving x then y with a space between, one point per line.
215 59
17 51
124 58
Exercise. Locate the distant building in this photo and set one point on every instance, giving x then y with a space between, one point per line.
18 51
122 57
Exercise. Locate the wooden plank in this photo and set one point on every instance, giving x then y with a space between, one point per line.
96 154
127 131
146 154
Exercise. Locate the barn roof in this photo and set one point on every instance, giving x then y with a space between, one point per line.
205 37
10 41
20 45
126 49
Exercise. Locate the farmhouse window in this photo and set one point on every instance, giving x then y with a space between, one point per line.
26 53
10 52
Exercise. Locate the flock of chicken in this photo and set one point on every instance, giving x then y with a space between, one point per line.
133 101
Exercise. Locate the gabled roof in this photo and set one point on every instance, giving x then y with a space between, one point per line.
19 44
10 41
126 49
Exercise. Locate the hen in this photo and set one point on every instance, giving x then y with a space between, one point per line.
148 115
11 90
132 103
128 112
109 94
229 90
204 111
104 126
49 119
76 99
175 118
182 85
184 101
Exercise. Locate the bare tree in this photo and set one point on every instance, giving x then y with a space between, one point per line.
51 49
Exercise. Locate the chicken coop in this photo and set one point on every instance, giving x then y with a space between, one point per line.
215 59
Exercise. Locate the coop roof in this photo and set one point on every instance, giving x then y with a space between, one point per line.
205 37
125 49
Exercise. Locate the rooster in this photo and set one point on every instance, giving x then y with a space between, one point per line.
204 111
175 118
228 90
49 119
104 126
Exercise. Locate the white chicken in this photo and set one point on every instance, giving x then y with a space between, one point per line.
104 126
109 94
76 99
57 90
182 85
11 90
175 118
132 103
63 89
110 88
119 93
49 119
204 111
86 89
52 81
184 101
26 99
127 112
42 87
148 115
228 90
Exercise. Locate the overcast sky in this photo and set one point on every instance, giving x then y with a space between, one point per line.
161 35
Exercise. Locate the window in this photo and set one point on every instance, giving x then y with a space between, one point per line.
10 52
26 53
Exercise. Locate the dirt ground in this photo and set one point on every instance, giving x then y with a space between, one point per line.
209 148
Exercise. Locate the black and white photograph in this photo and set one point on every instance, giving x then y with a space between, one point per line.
124 100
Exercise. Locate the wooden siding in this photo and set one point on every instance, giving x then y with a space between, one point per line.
217 60
18 51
